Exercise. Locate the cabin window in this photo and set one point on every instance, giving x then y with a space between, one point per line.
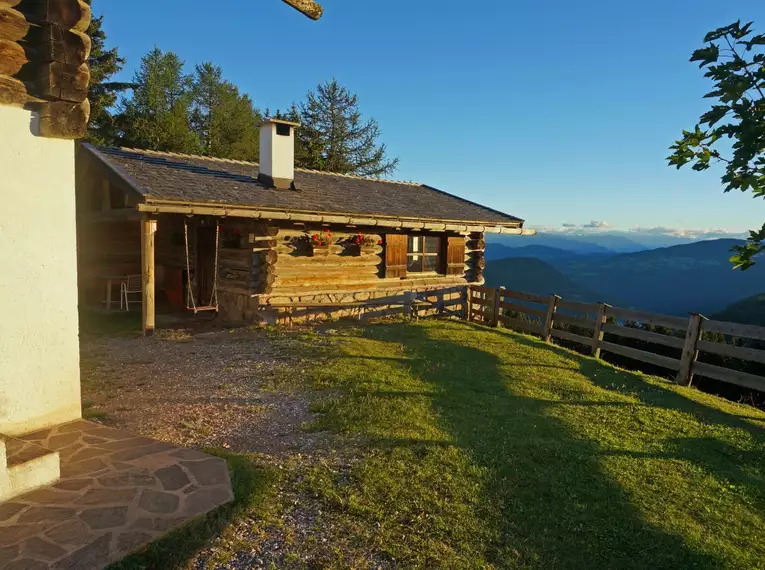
423 254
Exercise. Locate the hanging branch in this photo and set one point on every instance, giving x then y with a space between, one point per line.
307 7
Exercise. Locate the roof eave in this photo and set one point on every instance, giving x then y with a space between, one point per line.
157 206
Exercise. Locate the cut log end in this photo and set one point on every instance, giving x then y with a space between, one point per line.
12 57
13 92
68 14
63 120
13 24
57 81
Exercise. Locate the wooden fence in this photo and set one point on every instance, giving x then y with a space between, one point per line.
490 306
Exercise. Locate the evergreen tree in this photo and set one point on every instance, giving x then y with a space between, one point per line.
334 138
157 116
225 121
104 64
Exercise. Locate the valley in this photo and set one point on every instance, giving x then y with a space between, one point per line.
675 280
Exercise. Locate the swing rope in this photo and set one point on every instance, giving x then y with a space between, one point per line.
190 301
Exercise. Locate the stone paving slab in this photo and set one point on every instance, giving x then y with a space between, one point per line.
117 493
19 451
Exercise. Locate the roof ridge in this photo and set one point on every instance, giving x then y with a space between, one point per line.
250 163
358 177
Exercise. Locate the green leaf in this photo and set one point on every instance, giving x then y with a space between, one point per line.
706 55
713 116
722 32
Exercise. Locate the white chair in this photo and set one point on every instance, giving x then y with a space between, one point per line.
130 286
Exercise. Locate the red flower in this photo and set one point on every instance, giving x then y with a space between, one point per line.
379 242
315 236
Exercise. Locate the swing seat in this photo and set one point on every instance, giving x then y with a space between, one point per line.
191 304
209 308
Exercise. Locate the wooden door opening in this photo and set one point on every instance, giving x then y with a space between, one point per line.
205 269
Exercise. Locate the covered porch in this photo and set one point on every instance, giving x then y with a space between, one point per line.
166 267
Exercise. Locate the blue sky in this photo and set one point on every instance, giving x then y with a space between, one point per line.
559 112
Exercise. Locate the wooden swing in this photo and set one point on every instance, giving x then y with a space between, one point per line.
191 303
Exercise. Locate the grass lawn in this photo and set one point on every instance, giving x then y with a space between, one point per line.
460 446
483 448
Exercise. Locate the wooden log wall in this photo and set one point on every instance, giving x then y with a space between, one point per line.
282 270
475 246
296 270
106 248
235 257
44 51
170 244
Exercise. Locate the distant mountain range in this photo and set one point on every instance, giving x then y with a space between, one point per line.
674 280
749 311
535 276
596 242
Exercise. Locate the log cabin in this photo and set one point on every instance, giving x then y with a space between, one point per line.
268 241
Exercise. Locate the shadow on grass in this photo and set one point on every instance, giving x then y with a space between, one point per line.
651 394
94 323
545 491
251 483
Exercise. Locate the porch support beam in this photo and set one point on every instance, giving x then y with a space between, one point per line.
148 232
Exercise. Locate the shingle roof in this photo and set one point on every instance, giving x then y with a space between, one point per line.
186 178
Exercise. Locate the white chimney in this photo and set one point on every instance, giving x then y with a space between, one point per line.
277 153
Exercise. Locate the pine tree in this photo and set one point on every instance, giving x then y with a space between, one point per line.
224 120
157 116
334 138
103 93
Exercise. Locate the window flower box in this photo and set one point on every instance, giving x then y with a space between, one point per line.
319 250
320 243
362 245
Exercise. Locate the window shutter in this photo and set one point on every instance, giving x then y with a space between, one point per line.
395 255
455 256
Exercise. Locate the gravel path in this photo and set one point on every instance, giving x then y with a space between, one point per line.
237 390
230 390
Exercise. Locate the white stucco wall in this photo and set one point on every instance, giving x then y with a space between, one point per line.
39 355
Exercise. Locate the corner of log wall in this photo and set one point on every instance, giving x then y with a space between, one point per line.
44 52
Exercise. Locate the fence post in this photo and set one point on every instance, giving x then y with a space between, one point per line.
551 308
497 297
469 304
690 352
597 336
409 299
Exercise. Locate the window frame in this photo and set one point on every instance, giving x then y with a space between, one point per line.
438 254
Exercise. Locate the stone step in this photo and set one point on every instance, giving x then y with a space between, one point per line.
25 466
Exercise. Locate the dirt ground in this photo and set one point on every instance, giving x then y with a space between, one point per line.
237 390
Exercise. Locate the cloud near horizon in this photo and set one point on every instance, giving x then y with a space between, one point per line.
597 225
601 226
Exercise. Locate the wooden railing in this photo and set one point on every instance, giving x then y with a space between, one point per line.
490 306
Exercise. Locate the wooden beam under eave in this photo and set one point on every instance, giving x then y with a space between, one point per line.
308 7
148 310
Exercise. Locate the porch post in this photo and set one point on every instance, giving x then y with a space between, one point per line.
148 231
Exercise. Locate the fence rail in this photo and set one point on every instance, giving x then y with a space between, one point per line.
489 305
